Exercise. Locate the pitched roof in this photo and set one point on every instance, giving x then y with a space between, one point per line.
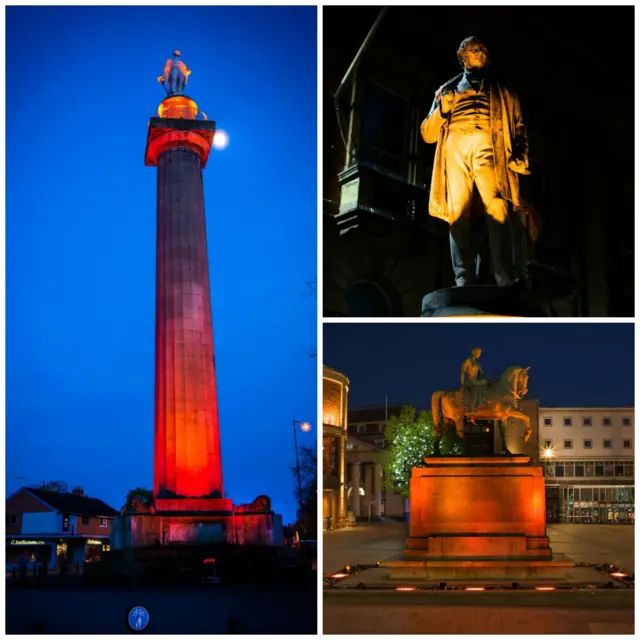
74 504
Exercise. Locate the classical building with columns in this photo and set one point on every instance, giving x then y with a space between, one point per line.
366 496
335 402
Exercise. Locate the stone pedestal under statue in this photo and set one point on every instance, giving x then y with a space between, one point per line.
474 518
484 300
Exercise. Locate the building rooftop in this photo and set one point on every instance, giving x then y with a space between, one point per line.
74 504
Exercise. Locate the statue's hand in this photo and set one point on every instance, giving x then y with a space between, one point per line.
518 165
445 98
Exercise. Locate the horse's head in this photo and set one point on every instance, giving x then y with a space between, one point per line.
522 381
515 380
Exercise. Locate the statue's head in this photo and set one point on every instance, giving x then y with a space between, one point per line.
476 353
176 53
472 54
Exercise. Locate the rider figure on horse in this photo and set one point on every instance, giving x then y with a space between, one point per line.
474 382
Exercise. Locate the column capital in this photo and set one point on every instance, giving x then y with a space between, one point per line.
166 133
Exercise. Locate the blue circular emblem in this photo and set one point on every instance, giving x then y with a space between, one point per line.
138 618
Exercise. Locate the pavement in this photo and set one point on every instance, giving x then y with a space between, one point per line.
214 609
367 543
390 612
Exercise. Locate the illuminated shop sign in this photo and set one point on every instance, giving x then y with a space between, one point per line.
29 542
94 541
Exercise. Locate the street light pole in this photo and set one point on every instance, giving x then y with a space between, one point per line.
295 441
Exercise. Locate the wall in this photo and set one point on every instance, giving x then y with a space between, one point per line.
23 502
43 522
597 432
93 528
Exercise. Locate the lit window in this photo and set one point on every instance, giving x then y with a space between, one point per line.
607 444
362 428
586 422
103 522
568 444
626 444
548 422
568 422
588 444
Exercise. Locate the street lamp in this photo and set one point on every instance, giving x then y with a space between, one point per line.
306 427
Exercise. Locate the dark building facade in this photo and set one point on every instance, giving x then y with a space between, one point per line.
382 251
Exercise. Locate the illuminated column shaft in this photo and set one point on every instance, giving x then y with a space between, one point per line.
187 441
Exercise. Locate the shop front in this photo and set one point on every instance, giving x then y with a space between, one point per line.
598 505
34 550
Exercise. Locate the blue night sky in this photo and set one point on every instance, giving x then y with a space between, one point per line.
572 365
80 239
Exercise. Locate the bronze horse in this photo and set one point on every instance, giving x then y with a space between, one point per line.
501 402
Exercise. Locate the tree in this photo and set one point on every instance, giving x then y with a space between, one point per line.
410 438
145 496
307 517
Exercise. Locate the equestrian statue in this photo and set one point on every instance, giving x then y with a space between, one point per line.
480 398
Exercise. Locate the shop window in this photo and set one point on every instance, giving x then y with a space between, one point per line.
619 469
586 422
588 444
599 470
606 422
568 422
626 422
559 470
548 422
628 469
549 470
568 469
85 520
606 444
568 444
608 469
588 469
579 470
626 444
103 522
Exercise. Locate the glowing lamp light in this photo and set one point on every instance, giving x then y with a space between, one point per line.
548 453
545 588
209 561
339 575
305 426
620 574
405 588
220 140
474 588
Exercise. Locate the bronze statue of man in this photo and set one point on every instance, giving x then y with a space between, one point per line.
473 381
482 143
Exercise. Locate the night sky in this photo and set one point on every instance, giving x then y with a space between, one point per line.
572 365
80 239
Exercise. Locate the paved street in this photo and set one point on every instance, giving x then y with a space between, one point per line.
400 613
604 612
217 609
367 543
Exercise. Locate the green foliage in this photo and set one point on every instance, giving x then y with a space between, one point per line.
452 445
144 495
410 438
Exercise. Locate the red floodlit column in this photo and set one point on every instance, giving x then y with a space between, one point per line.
187 440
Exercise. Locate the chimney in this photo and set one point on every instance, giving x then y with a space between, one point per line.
78 491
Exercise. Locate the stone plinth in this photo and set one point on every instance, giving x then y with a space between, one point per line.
475 517
483 300
216 506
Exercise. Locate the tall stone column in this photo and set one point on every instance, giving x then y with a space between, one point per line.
377 489
342 477
355 489
187 440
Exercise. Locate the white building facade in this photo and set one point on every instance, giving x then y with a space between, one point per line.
588 461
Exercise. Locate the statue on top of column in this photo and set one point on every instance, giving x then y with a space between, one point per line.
175 76
477 124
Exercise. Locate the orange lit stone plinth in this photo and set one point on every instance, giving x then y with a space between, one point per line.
477 517
177 127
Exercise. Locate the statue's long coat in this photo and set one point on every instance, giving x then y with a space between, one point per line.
509 138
